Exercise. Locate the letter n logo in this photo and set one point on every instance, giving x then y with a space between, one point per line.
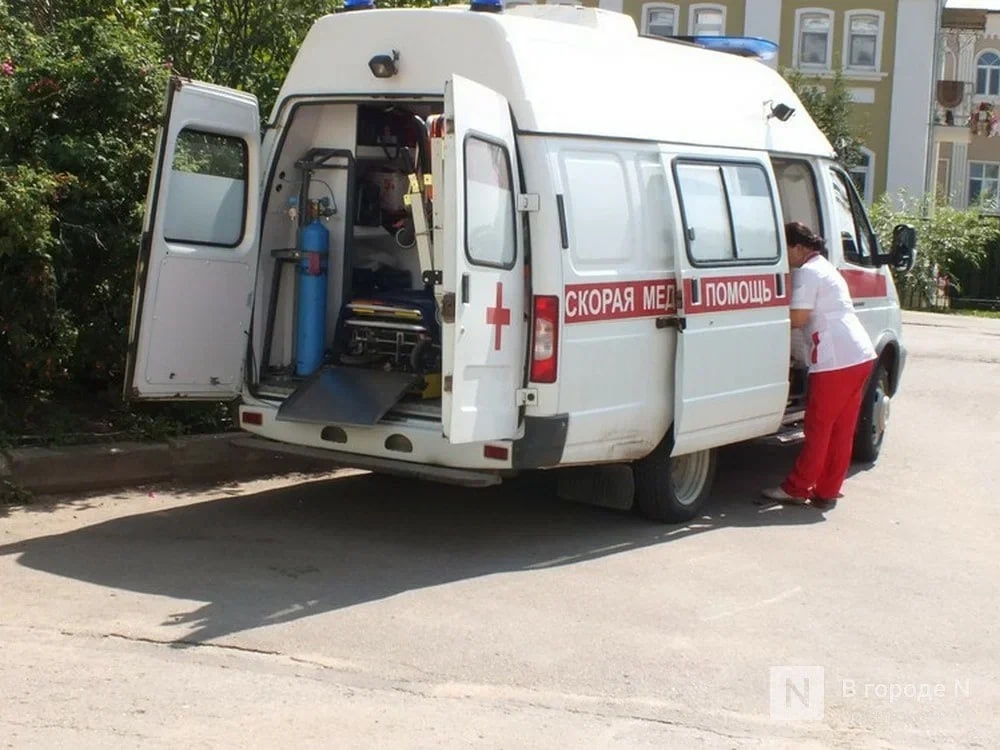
797 693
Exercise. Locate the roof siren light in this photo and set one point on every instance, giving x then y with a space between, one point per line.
359 5
745 46
487 6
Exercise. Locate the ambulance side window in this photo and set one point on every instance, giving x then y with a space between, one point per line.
850 221
729 213
489 205
207 191
797 192
706 213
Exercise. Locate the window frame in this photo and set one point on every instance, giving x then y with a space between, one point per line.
994 69
647 7
797 42
977 163
857 206
245 147
720 163
483 138
879 37
693 17
869 174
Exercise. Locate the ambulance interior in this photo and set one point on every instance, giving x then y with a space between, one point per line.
799 202
348 330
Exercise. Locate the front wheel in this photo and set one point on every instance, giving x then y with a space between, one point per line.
673 489
873 418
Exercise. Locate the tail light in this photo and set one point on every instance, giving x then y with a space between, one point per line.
545 340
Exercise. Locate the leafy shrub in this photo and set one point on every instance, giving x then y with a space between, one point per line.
949 239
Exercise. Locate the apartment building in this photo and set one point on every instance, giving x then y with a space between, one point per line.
886 50
967 130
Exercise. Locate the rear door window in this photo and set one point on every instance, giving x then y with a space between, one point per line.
729 213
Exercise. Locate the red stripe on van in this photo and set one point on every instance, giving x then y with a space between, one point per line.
724 293
864 283
619 300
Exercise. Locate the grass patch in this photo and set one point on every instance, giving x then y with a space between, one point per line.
81 416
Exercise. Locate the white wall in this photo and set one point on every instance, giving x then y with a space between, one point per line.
914 76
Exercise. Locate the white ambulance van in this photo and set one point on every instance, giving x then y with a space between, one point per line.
471 244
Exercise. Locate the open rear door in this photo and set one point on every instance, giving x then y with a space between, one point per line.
484 286
732 269
195 276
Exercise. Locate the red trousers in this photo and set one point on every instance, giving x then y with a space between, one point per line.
831 417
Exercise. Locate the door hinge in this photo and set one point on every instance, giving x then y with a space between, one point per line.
670 321
528 202
526 396
448 307
446 385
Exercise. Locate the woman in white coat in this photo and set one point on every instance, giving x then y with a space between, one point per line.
840 359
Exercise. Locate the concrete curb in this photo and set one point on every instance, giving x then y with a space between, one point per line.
201 458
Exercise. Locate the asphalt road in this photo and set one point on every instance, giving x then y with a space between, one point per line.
361 611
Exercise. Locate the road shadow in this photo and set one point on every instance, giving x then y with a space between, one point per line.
277 556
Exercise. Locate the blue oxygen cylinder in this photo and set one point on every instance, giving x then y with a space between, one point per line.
314 242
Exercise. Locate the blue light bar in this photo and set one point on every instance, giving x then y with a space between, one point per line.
359 4
746 46
487 6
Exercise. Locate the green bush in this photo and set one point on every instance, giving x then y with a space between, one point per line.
949 239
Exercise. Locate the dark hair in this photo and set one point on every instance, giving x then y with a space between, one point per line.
797 233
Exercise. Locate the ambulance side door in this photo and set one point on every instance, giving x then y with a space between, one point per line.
732 270
483 308
197 262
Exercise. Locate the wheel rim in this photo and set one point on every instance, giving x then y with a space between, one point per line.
880 411
688 474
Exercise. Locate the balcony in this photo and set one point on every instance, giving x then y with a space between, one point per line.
954 120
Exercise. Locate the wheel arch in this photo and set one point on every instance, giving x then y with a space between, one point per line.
887 348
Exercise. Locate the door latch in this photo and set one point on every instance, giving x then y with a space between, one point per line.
528 202
527 396
670 321
448 307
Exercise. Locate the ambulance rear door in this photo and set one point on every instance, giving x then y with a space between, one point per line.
483 305
198 259
732 269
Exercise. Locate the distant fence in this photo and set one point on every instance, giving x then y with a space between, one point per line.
971 303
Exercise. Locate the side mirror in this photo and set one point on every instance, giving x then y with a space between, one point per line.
904 248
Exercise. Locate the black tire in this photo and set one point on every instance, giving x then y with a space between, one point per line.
673 489
873 419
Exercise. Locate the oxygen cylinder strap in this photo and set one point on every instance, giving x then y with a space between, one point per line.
314 264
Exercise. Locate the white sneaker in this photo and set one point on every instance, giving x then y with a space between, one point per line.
778 495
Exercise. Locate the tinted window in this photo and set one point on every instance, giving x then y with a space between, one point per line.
856 235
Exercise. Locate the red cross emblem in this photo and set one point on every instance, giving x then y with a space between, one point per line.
498 317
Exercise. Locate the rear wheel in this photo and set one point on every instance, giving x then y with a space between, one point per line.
873 418
673 489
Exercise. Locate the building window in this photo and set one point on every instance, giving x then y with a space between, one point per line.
707 20
863 175
984 184
659 19
813 38
988 74
863 40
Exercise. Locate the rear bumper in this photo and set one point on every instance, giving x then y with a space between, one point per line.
444 474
